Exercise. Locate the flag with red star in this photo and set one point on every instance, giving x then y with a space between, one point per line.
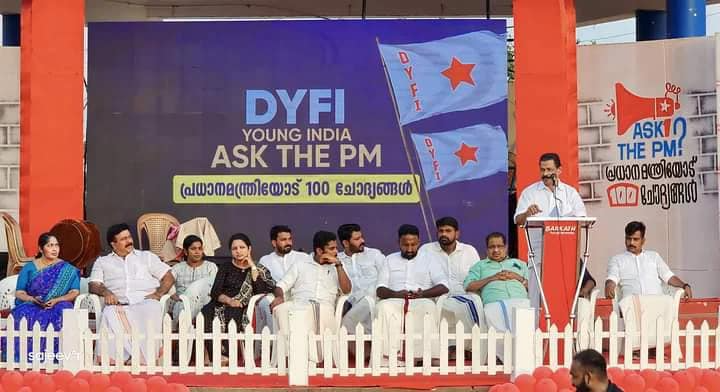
461 72
463 154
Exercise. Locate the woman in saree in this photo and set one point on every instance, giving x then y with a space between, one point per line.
45 287
234 284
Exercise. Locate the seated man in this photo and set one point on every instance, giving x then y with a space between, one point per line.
315 285
456 258
502 285
193 268
131 282
362 265
407 288
640 275
638 271
278 262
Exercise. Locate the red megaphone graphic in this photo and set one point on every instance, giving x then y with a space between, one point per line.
631 108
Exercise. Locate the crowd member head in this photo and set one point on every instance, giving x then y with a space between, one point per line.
448 231
496 246
351 237
325 247
281 239
240 248
120 239
193 249
409 240
48 247
589 372
550 168
635 237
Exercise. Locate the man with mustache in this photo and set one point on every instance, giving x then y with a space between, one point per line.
548 197
408 286
456 258
638 271
588 373
131 282
362 265
278 262
502 284
315 285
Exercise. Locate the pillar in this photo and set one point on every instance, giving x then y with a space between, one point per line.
685 18
546 108
51 115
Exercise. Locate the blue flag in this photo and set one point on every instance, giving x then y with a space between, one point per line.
462 72
463 154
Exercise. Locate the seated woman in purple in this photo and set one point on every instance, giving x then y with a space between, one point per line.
44 289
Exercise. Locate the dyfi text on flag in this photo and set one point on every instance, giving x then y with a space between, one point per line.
469 153
462 72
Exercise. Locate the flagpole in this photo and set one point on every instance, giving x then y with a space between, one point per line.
418 184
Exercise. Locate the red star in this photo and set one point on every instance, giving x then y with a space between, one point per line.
458 73
466 153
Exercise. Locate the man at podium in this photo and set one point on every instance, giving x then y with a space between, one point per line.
548 197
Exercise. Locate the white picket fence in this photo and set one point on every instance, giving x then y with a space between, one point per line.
526 349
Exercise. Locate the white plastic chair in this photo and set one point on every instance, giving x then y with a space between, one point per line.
7 295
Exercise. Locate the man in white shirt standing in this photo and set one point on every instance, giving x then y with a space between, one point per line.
456 259
407 287
639 271
278 262
362 265
131 282
315 285
548 197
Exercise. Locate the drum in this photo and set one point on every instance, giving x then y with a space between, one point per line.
79 241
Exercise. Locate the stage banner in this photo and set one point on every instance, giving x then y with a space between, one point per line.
311 124
648 152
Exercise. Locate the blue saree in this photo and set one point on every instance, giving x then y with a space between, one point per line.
48 283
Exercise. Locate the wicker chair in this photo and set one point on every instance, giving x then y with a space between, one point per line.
156 225
16 253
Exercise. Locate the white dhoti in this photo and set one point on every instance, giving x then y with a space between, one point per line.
500 316
320 318
362 311
263 316
654 306
392 323
142 318
468 309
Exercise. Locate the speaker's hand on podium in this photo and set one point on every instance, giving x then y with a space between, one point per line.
533 210
610 289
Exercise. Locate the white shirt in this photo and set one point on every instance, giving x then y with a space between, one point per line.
642 274
131 278
363 269
279 265
422 272
569 202
307 280
185 274
456 265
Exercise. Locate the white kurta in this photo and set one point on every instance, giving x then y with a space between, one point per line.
643 274
363 270
566 202
314 287
397 273
278 266
131 279
459 305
